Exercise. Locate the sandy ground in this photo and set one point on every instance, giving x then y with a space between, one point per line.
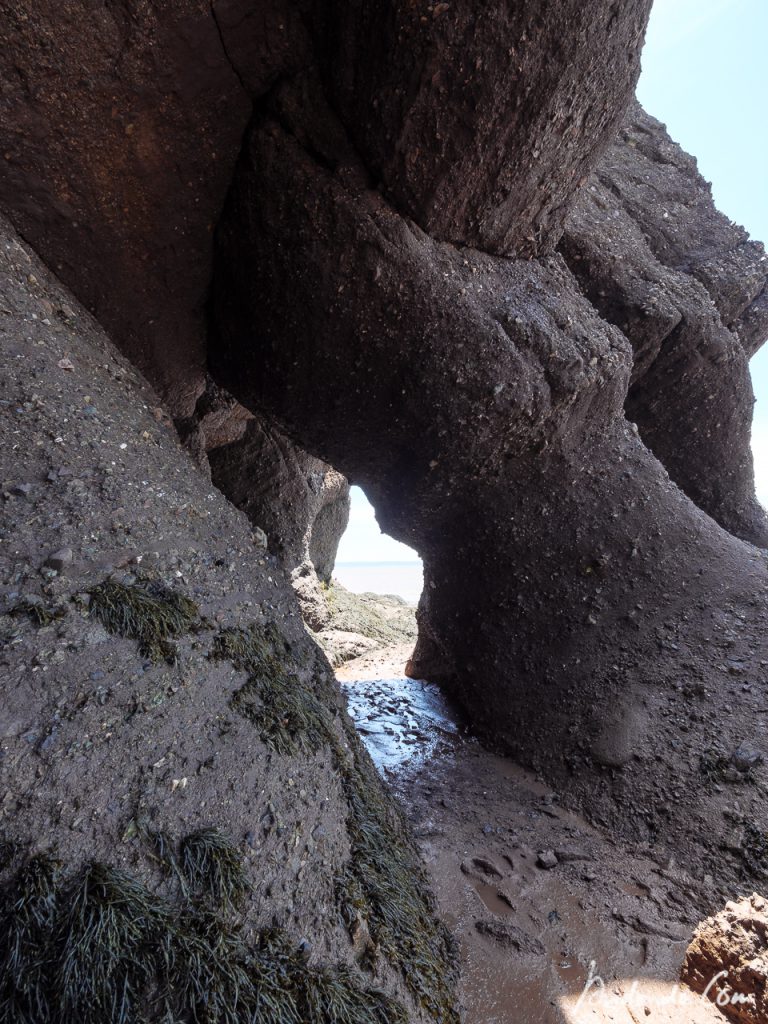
556 922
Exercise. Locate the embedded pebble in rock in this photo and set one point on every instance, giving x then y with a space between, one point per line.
746 757
59 560
547 860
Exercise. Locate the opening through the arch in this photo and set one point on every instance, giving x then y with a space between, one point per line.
368 561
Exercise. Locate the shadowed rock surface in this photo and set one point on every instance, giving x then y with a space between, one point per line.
687 288
560 558
481 121
385 295
301 503
187 815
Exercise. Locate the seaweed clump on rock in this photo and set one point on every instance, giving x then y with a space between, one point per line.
100 947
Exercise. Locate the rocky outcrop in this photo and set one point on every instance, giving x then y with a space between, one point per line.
119 128
687 288
349 625
119 132
728 960
477 394
480 122
558 553
300 502
190 828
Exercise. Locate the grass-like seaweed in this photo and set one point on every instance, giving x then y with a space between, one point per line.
40 613
27 923
105 947
146 611
101 948
318 995
384 883
212 869
713 766
287 713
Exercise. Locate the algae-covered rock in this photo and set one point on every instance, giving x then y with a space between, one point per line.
182 787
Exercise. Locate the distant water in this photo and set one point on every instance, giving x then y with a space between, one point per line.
405 579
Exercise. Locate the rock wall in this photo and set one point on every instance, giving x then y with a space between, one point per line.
688 289
300 502
728 960
385 292
190 828
484 412
483 143
120 127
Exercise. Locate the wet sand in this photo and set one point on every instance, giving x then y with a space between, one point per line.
598 936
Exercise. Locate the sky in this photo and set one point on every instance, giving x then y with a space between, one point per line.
705 75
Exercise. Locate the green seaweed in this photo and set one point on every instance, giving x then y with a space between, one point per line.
713 766
317 994
148 612
101 948
27 924
40 613
212 869
384 883
104 947
287 713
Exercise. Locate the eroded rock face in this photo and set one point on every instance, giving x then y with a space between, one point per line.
480 121
166 717
558 554
120 125
300 502
119 131
728 960
687 287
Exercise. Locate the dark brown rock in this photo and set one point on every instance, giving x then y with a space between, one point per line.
480 121
300 502
119 126
480 403
687 288
110 757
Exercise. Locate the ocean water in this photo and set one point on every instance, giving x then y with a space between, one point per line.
405 579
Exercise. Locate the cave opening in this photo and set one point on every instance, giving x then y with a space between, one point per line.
370 561
372 595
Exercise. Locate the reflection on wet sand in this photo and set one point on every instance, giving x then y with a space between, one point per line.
542 902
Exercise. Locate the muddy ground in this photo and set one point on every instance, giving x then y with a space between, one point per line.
557 921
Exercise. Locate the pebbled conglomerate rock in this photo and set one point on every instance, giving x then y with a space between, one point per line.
559 556
728 960
188 821
687 287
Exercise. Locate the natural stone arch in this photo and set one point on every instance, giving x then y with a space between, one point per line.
480 400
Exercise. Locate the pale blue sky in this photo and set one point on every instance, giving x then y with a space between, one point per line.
705 75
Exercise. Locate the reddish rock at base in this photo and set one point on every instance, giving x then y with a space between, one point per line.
728 960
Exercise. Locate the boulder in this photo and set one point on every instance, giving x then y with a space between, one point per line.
727 960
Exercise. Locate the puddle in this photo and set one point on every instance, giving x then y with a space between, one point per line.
496 903
401 721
